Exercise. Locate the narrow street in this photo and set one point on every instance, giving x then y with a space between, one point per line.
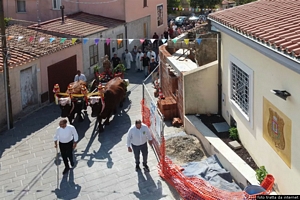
104 168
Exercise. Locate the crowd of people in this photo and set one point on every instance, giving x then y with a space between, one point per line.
144 61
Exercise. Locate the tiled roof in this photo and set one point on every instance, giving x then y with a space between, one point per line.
275 23
24 51
79 25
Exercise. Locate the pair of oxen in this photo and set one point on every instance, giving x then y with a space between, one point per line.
103 102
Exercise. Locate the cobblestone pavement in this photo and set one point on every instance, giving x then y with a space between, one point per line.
104 168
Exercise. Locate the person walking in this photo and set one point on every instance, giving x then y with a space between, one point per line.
151 54
128 59
67 137
156 37
79 76
153 65
137 137
138 61
115 60
146 63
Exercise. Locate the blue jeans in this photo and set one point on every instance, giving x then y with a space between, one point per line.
146 68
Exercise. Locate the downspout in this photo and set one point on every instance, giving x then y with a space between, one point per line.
219 69
126 43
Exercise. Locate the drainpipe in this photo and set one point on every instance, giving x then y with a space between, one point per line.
219 69
126 43
62 14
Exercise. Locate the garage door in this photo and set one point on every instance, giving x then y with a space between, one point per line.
62 73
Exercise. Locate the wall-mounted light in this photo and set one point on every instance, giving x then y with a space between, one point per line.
281 93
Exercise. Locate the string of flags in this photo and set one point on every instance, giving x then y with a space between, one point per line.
192 9
97 40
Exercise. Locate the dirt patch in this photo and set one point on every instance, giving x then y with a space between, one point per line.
184 149
224 136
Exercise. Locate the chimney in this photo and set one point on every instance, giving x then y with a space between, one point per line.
62 14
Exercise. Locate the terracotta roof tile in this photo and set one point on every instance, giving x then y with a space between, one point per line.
23 51
78 25
276 22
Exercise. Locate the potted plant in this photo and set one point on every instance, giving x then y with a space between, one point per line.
119 70
261 173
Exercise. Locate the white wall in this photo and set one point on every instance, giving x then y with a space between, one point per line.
267 75
111 33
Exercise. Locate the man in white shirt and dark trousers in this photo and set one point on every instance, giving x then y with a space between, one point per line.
67 136
138 135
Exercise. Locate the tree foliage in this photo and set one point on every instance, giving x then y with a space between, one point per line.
241 2
172 4
204 3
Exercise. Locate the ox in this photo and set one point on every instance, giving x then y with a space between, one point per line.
71 106
114 95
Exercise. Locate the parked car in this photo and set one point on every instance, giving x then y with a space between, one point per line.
180 20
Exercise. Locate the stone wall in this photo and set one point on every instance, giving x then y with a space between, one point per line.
207 50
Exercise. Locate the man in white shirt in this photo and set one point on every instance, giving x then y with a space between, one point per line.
138 135
138 60
67 136
79 76
128 59
151 54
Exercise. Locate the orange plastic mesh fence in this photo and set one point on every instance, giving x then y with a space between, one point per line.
145 114
192 188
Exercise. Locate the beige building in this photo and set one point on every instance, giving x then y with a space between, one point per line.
35 65
260 68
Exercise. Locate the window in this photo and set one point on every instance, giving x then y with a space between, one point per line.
145 3
93 54
21 6
56 4
120 42
241 87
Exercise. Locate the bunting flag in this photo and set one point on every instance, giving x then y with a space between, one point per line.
97 41
186 41
130 40
119 41
199 40
85 40
74 40
62 40
51 39
20 38
174 40
31 39
182 9
10 37
152 40
142 40
107 41
163 40
41 39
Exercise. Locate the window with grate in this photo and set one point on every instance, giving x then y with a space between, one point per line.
93 54
21 6
120 42
240 87
145 3
56 4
